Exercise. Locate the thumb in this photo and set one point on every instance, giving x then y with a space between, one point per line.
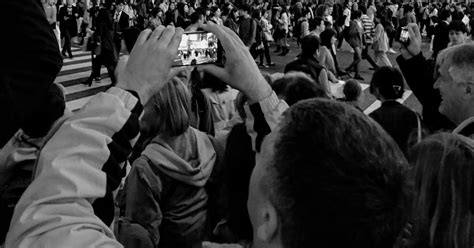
218 72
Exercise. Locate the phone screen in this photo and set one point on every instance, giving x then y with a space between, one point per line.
197 48
404 35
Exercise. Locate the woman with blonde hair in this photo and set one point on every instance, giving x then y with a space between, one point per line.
167 190
443 166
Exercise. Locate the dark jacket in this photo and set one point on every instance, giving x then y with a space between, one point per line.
122 24
308 65
441 38
397 120
419 76
105 32
30 63
247 31
165 191
67 20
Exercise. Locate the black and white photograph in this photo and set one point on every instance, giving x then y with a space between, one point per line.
237 124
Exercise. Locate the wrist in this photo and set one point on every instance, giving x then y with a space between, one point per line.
126 83
259 92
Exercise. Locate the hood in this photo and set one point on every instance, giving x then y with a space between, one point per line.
188 158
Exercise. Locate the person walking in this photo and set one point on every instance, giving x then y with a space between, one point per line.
381 42
368 37
68 26
107 53
266 39
354 38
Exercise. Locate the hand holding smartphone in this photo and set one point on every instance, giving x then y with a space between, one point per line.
196 48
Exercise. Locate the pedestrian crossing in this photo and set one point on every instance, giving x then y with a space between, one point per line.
75 71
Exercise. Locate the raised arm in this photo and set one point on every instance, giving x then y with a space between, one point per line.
264 108
81 161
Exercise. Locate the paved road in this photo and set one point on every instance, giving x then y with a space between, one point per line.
75 71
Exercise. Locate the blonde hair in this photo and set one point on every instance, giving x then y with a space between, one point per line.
443 187
171 111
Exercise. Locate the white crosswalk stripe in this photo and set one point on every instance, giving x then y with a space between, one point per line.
75 71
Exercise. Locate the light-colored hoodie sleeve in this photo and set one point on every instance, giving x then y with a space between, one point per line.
263 117
73 169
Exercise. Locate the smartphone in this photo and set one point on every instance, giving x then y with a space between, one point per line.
404 36
196 48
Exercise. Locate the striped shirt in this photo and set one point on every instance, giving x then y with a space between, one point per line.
368 27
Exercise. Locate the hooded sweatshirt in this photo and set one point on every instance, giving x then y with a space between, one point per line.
165 191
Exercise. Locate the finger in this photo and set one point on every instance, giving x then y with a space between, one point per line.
214 70
414 31
156 34
174 44
143 37
166 36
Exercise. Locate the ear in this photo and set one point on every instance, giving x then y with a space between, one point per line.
268 230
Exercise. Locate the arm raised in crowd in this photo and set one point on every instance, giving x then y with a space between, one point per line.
264 108
418 74
73 166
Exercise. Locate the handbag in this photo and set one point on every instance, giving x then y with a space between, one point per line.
267 36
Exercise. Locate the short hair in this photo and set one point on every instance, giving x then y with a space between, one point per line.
196 16
309 45
352 90
320 10
297 86
172 110
443 166
356 14
315 23
389 82
461 59
336 178
326 37
457 26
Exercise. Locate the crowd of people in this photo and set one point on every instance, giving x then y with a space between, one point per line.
222 155
365 27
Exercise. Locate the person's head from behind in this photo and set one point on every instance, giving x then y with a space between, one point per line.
296 86
352 90
327 175
443 166
356 15
197 18
328 38
168 113
409 9
387 83
455 81
309 46
457 32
